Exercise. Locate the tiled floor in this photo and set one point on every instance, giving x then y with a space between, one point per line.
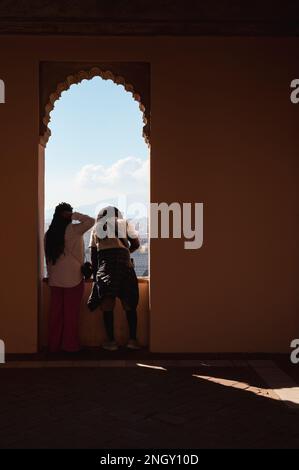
170 403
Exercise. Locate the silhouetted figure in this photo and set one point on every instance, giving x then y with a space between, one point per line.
64 249
112 240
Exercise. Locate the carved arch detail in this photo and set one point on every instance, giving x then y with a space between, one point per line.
77 78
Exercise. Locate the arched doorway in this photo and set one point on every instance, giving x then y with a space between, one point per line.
90 325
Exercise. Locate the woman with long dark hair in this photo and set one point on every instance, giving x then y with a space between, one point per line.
112 241
64 250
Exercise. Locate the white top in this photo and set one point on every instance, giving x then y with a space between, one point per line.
125 229
66 272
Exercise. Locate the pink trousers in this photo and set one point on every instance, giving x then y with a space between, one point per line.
64 318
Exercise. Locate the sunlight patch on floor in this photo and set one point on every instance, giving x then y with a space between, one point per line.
265 392
149 366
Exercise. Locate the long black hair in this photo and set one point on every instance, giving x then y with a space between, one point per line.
54 239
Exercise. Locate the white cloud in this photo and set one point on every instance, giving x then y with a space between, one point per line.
127 175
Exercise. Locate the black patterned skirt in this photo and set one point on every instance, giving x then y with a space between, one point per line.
115 277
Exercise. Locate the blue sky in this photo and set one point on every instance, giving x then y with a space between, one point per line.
96 153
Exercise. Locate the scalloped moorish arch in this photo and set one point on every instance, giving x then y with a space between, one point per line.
52 77
77 78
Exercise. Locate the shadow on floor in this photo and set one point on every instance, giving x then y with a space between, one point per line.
140 408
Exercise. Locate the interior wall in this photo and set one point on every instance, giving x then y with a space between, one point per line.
224 133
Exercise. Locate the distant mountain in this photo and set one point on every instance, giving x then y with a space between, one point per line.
88 209
141 223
